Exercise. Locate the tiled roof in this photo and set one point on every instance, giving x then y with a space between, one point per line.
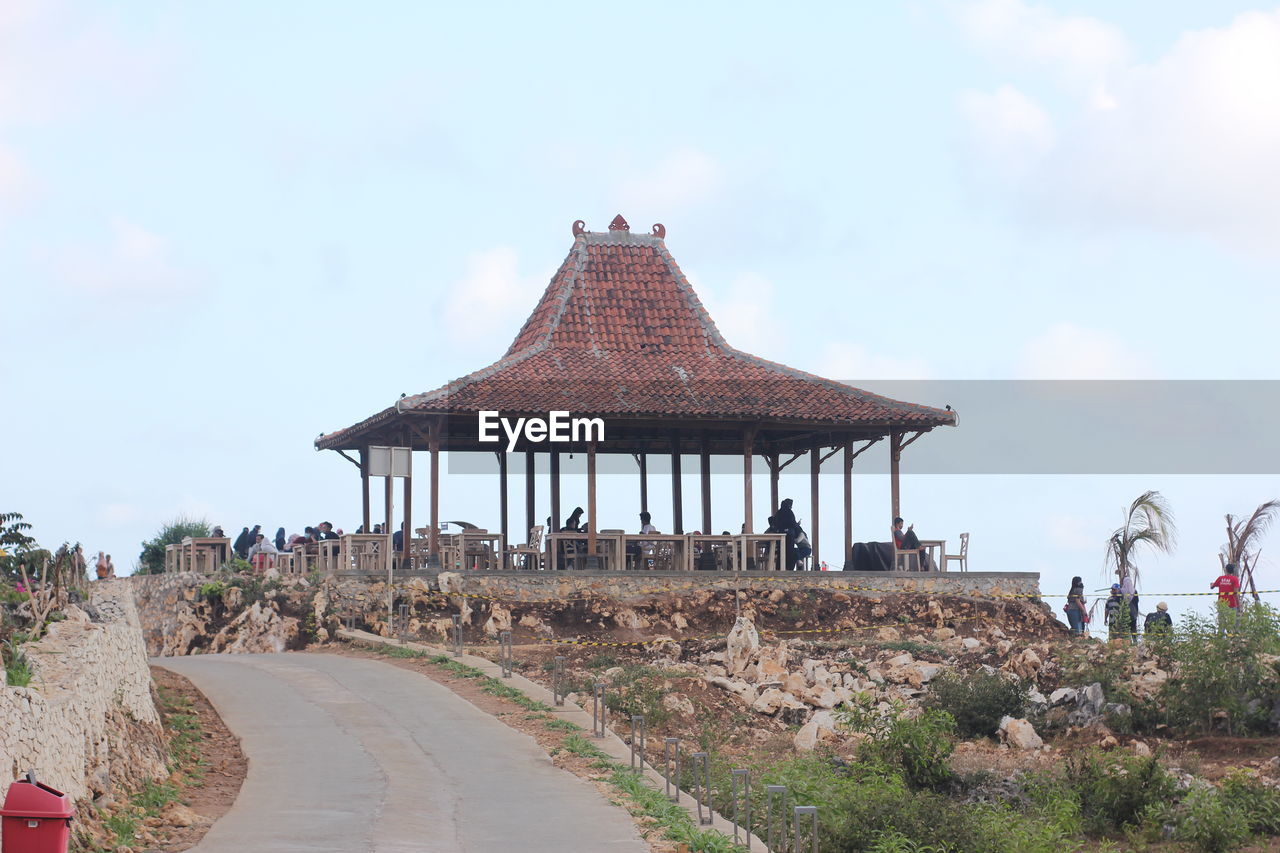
619 331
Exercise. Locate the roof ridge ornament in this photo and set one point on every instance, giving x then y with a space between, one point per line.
619 224
659 230
579 228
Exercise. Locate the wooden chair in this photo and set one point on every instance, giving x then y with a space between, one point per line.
906 561
962 558
532 549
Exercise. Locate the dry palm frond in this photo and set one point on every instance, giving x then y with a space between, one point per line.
1243 538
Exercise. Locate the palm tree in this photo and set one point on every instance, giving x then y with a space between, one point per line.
1149 522
1242 540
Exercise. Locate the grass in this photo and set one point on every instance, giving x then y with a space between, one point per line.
185 733
17 668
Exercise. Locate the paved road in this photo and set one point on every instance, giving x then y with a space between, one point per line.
351 755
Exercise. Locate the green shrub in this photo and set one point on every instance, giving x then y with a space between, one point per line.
17 668
978 700
638 690
920 747
1258 804
1115 790
151 560
1212 823
1222 671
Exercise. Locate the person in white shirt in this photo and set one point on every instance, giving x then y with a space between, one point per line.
262 553
645 524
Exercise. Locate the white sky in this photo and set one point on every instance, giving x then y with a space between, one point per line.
226 228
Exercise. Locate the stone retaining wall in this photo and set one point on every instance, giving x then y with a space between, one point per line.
87 721
624 586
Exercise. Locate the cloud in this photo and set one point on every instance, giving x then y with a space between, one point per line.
681 179
1080 51
853 363
1007 128
745 315
1183 144
493 297
134 262
1067 351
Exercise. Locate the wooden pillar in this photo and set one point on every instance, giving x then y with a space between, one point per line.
530 505
366 515
705 471
773 461
644 482
592 526
406 540
848 504
748 444
555 489
895 458
502 492
677 503
433 534
815 468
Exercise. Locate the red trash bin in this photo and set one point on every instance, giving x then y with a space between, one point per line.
36 818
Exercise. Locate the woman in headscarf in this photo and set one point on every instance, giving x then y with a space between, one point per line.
280 539
242 544
1075 606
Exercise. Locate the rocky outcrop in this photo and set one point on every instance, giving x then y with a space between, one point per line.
87 721
1019 734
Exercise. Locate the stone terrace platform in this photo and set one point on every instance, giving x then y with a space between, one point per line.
550 586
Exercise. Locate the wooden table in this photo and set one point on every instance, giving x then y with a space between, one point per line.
762 551
724 547
205 553
471 549
935 548
568 549
362 552
669 548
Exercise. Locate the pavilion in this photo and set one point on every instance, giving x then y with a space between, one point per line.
619 334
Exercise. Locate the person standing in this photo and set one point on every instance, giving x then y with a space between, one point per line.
1117 615
1159 622
784 521
1075 606
1228 586
1130 593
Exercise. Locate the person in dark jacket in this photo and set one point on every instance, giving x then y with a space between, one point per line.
280 539
242 544
784 521
574 524
1159 622
326 531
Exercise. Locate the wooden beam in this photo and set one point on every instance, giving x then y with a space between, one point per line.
502 492
848 505
895 456
904 444
366 522
815 469
774 468
592 524
794 457
833 452
705 471
555 490
861 449
748 450
406 539
677 502
643 460
530 505
433 534
344 455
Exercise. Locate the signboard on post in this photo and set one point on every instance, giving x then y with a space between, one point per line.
390 461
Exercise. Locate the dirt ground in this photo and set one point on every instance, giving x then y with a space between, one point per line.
210 795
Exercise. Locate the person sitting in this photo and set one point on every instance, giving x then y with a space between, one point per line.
906 540
1159 622
279 543
397 539
784 521
326 532
574 523
262 554
217 532
242 544
646 524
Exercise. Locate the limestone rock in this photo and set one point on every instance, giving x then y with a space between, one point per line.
677 704
742 645
1019 734
1062 696
821 726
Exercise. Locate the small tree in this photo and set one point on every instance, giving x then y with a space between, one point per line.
1148 522
151 560
1243 536
16 546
